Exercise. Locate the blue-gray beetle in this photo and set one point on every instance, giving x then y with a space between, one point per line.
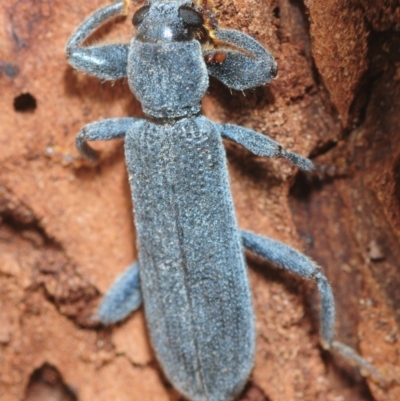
191 273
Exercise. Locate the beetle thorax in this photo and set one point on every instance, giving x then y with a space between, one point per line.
166 70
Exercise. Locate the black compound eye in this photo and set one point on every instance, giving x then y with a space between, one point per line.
190 17
139 15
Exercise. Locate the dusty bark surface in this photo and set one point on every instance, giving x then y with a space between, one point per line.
66 225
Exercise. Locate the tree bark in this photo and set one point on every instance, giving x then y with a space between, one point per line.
66 225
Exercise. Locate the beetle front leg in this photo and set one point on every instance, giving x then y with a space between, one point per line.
246 63
100 131
261 145
107 62
123 297
294 261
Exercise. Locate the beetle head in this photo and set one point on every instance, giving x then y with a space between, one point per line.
167 21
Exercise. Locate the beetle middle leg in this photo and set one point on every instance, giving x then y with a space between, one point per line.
290 259
111 128
261 145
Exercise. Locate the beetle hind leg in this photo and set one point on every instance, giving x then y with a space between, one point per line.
294 261
122 298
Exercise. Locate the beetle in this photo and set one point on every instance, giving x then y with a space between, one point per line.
190 273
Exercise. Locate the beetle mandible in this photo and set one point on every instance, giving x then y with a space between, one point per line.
193 278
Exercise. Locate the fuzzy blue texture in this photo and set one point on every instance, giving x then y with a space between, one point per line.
122 298
105 62
193 278
167 87
239 71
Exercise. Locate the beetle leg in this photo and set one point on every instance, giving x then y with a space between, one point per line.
246 64
123 297
261 145
100 131
294 261
107 62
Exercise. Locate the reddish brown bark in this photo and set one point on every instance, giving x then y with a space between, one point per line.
66 226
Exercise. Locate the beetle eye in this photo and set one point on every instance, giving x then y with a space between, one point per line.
139 15
190 17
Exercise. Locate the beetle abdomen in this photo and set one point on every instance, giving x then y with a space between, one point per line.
194 281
